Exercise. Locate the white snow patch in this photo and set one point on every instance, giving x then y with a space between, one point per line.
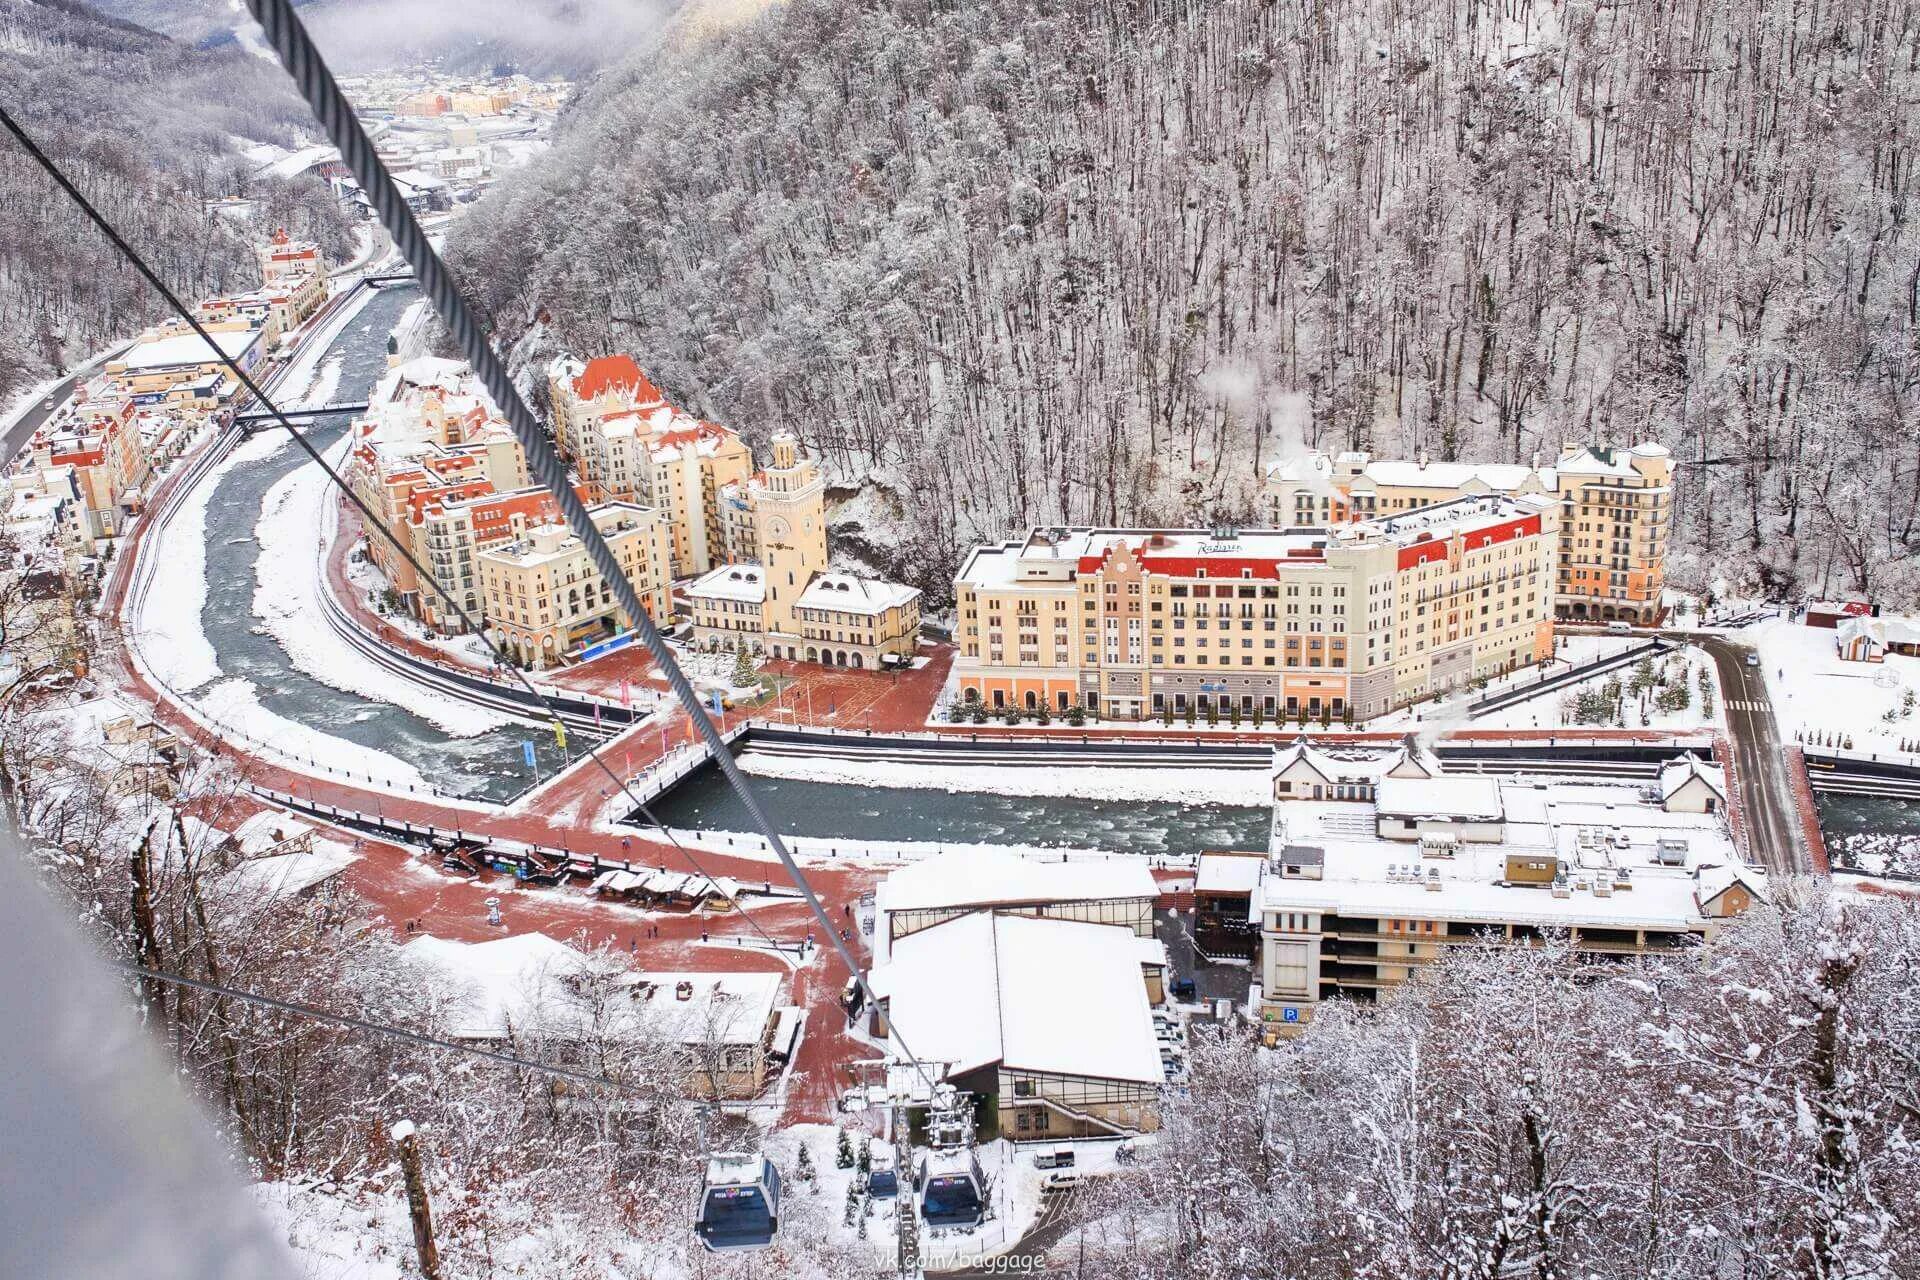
1245 787
167 622
288 583
233 706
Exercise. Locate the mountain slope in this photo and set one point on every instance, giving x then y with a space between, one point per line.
1075 260
150 129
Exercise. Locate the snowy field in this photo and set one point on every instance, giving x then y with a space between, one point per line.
1815 692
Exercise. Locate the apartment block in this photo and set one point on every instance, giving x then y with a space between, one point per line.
1377 864
544 598
429 459
1617 509
102 440
1322 623
628 444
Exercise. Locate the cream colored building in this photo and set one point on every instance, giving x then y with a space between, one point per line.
628 444
100 438
790 605
1376 866
1617 512
544 599
1326 624
428 450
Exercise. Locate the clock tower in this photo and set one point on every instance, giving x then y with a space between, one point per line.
789 514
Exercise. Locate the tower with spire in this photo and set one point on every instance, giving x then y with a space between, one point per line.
789 506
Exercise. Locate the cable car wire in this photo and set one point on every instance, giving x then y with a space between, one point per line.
296 50
330 106
372 521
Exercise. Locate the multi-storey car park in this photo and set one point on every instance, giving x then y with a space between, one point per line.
1342 622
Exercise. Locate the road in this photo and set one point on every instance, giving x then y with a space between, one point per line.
1765 792
1049 1229
17 435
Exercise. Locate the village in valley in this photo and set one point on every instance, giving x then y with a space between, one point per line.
291 623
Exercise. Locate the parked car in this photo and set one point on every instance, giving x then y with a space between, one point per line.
1753 659
1053 1158
1060 1180
1620 628
1184 989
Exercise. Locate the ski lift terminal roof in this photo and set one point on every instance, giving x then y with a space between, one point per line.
1052 996
979 880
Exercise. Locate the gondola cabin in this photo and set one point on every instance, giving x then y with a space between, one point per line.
883 1181
952 1189
739 1202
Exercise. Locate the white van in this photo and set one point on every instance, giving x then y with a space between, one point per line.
1620 628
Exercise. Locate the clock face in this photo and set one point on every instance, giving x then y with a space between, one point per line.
778 528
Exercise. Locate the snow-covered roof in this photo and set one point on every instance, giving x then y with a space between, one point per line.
1885 630
282 875
1592 460
1675 774
1053 996
1629 862
845 593
1713 879
527 983
187 349
1475 798
1228 872
730 582
268 828
1495 477
982 879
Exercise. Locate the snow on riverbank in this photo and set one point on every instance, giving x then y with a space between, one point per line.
828 850
233 706
1245 787
287 598
172 641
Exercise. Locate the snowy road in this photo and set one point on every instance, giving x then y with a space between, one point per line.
1760 769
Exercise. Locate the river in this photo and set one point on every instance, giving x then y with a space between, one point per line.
830 810
490 766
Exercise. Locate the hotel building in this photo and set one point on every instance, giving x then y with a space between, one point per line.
1354 620
1378 863
628 444
1616 507
544 598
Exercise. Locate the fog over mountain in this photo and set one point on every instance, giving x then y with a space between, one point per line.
541 37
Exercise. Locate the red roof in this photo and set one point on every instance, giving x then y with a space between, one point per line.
615 373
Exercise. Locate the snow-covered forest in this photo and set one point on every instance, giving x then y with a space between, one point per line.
1042 260
151 130
1747 1111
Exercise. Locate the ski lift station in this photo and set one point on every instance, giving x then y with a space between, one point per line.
1033 987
